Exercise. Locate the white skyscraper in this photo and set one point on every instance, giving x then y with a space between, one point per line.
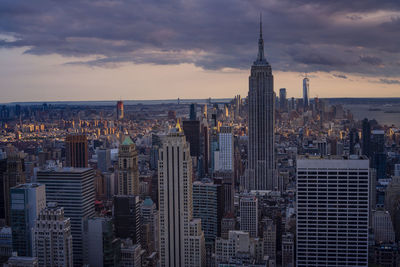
181 241
249 214
332 211
52 238
225 138
306 92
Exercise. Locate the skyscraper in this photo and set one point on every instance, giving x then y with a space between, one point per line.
120 110
127 218
306 92
13 176
249 214
193 112
192 133
27 200
128 172
226 149
76 150
261 167
181 239
332 205
282 100
72 189
366 137
52 237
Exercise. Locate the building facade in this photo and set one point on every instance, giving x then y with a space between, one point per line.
333 211
52 238
128 172
261 159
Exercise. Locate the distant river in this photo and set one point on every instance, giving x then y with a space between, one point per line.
376 112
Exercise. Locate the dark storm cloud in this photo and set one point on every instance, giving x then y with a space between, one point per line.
388 81
299 35
341 76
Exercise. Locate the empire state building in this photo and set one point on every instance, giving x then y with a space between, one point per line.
261 162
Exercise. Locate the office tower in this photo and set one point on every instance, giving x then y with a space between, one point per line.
20 261
128 172
225 137
76 150
5 243
176 203
249 214
150 221
205 144
3 169
52 237
208 206
193 112
27 200
306 92
332 208
353 138
196 251
396 169
383 227
377 153
226 179
131 254
103 159
392 200
282 100
261 123
366 137
72 189
288 250
228 223
127 217
13 176
192 133
214 148
104 249
120 110
269 238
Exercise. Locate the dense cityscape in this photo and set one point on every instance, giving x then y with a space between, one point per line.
259 180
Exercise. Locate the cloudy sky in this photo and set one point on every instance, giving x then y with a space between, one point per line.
164 49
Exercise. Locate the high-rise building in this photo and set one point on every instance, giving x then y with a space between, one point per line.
150 221
120 110
249 214
192 133
76 150
13 176
225 137
383 227
104 249
288 250
27 200
332 211
131 254
366 138
5 243
193 112
180 239
128 172
283 105
3 169
261 163
269 238
127 217
306 92
72 189
103 159
208 206
52 239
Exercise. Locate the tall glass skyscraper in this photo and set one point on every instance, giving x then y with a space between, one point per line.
260 173
306 92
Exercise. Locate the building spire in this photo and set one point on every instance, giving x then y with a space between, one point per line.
260 57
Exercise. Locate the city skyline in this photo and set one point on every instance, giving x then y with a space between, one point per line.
347 49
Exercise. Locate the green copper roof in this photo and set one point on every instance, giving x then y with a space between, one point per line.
128 141
148 202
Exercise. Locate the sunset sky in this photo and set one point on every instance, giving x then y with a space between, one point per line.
153 49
